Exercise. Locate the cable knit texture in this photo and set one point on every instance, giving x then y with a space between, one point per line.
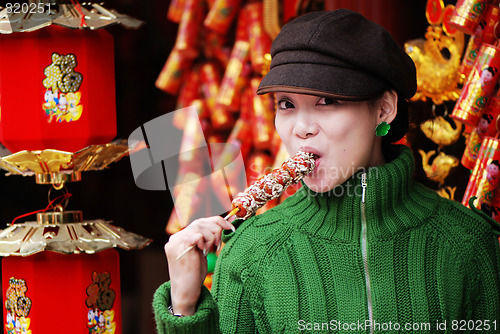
299 266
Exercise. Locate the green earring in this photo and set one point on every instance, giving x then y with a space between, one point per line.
382 129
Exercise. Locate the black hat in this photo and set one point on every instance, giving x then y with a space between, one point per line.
338 54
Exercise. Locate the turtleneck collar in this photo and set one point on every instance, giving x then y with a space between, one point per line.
394 203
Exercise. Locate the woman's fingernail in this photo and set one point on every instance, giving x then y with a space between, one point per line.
205 252
232 227
218 246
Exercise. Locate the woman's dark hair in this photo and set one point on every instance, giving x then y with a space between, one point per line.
399 125
487 117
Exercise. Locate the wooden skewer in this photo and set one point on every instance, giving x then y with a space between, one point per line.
184 253
229 215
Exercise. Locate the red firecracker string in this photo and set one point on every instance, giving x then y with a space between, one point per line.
50 206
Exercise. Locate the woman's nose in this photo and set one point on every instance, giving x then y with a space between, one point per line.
305 126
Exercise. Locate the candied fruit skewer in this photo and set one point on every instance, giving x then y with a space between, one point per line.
269 187
272 185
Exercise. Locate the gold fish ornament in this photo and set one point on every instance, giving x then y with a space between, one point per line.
437 58
440 131
440 167
447 192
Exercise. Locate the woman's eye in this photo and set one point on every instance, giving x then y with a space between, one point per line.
327 101
285 104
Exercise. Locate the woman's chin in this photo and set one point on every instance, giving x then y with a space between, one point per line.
318 185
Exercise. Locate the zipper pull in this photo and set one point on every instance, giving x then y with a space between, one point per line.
364 184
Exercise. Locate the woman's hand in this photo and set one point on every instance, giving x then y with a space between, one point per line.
188 273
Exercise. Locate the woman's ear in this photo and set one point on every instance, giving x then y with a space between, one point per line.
389 106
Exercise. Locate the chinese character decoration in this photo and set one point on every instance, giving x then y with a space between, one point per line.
62 98
100 303
18 307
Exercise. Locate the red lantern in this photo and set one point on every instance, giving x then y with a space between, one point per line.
50 292
61 274
57 89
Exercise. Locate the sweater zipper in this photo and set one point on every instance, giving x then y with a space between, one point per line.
364 243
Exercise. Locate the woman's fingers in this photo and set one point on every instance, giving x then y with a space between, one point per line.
213 220
213 225
203 234
211 235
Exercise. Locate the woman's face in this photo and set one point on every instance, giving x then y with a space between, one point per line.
342 133
492 169
483 125
486 76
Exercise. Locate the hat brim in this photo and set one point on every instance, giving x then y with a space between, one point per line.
336 82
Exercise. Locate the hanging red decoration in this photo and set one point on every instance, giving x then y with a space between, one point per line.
57 89
50 292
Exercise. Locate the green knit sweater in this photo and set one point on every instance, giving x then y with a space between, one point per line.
404 260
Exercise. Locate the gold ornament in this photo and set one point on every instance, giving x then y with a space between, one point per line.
440 131
447 192
438 57
57 167
441 166
61 75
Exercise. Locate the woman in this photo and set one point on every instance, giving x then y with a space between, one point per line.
360 247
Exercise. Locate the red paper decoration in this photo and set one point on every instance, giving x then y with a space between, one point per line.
58 293
57 89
